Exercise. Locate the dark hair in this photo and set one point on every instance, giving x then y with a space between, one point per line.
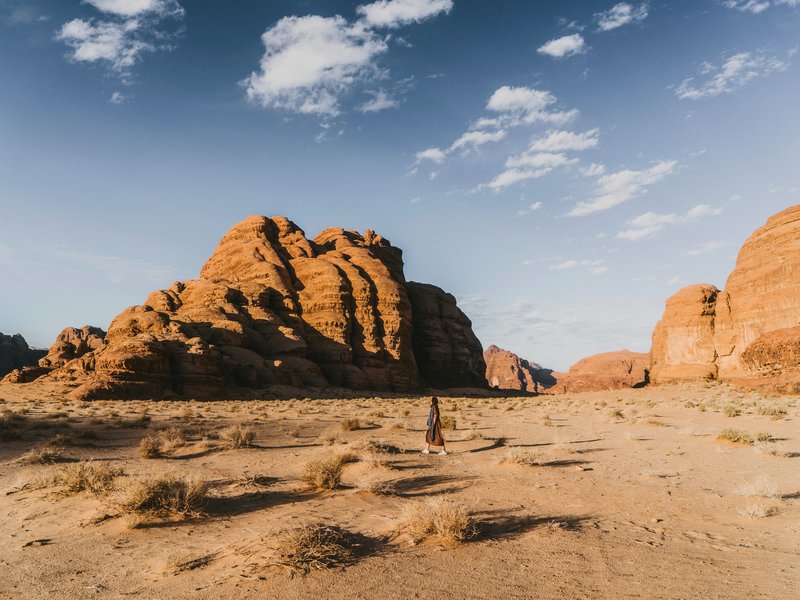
434 401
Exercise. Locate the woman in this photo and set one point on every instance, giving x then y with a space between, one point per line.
433 436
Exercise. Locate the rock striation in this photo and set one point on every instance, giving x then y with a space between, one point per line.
15 354
606 371
749 329
507 371
274 307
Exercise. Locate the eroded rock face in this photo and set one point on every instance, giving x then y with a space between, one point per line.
16 354
73 343
683 340
507 371
607 371
704 334
273 307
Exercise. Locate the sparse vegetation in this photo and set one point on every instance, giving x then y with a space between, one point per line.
439 518
150 447
448 423
519 456
88 476
325 474
315 546
731 411
46 455
373 483
164 495
329 438
759 511
351 424
774 412
238 436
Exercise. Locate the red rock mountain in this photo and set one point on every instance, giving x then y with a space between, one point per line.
751 329
607 371
273 307
507 371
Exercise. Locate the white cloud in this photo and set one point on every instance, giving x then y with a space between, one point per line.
562 47
131 30
735 72
311 62
380 100
619 187
595 267
526 166
563 141
649 223
477 138
757 6
394 13
132 8
507 99
529 209
117 98
621 14
436 155
594 170
706 248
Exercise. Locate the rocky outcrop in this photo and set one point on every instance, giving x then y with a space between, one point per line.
273 307
507 371
607 371
683 340
704 334
15 354
73 343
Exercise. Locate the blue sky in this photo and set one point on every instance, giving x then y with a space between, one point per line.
560 167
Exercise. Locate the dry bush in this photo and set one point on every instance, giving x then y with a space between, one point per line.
10 425
376 460
731 411
373 483
655 423
735 436
376 446
165 495
759 511
546 421
88 476
329 438
438 518
763 436
772 448
762 487
519 456
616 414
150 447
238 436
171 439
774 412
448 423
325 474
315 546
46 455
352 424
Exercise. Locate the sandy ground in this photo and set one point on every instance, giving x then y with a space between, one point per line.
633 496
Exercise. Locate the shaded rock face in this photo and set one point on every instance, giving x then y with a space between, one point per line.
507 371
607 371
16 354
709 335
273 307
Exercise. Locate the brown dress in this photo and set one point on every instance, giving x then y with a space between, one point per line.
433 435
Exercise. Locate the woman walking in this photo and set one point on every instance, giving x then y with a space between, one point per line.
433 436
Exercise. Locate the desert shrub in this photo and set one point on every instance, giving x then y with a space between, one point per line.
735 436
519 456
655 423
329 438
439 518
315 546
772 448
238 435
763 436
731 411
759 511
88 476
151 447
373 483
163 496
546 421
375 446
350 424
448 423
45 455
762 487
616 413
171 439
10 425
325 474
774 412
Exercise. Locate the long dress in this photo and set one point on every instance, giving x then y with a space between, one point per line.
433 435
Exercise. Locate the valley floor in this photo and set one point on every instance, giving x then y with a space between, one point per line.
627 494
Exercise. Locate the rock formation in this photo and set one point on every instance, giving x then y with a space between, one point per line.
750 329
507 371
273 307
607 371
16 354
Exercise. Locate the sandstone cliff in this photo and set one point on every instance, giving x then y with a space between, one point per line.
507 371
273 307
750 329
606 371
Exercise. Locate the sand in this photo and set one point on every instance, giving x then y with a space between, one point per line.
632 496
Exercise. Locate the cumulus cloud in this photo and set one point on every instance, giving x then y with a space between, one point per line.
737 71
130 29
561 141
395 13
562 47
117 98
311 62
616 188
477 138
526 166
524 105
436 155
621 14
649 223
380 100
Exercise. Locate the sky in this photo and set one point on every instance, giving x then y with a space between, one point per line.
560 167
